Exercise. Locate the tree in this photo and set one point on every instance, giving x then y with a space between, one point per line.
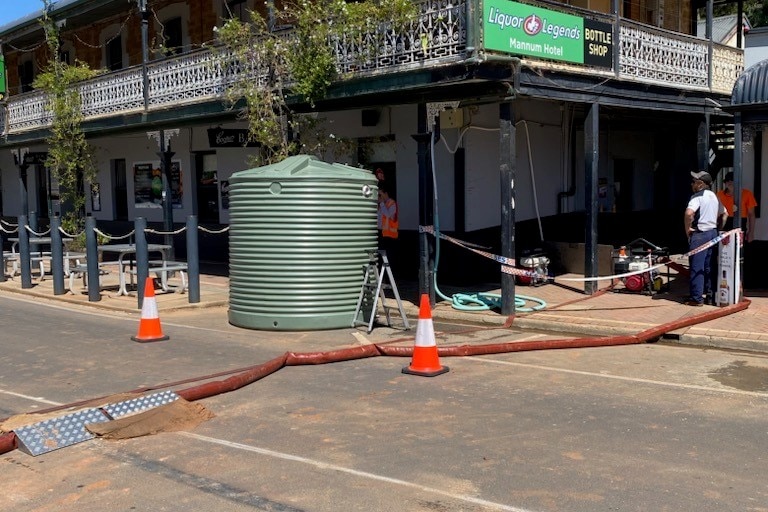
266 68
756 11
70 157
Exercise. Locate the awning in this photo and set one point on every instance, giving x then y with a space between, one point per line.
750 92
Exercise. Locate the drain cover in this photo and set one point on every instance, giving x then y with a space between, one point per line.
142 403
55 433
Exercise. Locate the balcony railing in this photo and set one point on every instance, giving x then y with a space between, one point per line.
438 38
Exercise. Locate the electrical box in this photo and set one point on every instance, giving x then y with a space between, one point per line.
452 118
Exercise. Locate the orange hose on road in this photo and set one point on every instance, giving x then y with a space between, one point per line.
8 441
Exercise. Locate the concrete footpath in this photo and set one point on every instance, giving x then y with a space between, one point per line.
567 310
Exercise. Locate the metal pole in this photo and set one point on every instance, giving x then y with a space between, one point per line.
165 157
738 164
591 152
24 263
57 256
144 51
33 223
92 259
710 45
426 209
616 35
193 260
2 269
23 187
507 166
702 143
142 257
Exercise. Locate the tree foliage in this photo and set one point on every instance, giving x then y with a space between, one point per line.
756 11
267 66
70 157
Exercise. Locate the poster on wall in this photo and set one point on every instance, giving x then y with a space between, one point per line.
729 270
148 185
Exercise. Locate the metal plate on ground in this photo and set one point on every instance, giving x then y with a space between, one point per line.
55 433
142 403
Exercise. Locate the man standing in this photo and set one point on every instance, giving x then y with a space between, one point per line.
703 216
748 205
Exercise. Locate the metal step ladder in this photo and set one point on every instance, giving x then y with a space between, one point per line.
376 272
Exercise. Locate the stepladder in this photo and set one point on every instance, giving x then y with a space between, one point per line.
377 277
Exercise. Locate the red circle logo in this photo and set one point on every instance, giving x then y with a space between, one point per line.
532 25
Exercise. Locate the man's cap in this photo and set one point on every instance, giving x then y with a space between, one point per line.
703 176
728 177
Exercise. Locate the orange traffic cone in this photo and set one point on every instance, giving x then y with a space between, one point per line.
149 326
425 361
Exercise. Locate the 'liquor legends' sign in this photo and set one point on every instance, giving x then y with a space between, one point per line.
522 29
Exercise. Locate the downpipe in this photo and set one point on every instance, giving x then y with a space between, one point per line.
252 374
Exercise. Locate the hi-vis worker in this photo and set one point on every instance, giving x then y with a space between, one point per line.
388 222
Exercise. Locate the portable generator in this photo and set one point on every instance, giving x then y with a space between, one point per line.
636 256
537 262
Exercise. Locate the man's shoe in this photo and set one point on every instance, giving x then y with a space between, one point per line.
692 302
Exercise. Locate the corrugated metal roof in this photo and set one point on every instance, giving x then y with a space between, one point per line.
751 88
723 27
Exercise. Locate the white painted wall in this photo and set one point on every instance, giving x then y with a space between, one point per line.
541 158
756 46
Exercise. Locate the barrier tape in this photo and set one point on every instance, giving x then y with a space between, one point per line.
507 268
709 244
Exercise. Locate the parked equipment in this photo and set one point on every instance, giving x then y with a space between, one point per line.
640 254
535 261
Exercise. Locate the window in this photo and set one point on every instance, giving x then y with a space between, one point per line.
173 36
114 51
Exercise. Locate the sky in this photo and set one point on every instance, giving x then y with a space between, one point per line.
11 10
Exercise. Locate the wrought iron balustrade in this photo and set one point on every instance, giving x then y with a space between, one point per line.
437 38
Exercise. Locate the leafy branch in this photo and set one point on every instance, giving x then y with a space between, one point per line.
70 157
264 67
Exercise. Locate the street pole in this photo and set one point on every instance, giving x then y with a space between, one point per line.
144 51
165 155
19 156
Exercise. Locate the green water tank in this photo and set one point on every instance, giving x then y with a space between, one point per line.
300 232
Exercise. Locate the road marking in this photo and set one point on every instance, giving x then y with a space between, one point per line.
354 472
619 377
32 398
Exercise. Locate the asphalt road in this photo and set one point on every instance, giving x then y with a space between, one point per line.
631 428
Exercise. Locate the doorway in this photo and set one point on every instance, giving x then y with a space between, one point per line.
207 179
623 184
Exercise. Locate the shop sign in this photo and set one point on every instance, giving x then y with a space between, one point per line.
522 29
229 138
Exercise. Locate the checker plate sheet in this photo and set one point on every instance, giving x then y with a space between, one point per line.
142 403
56 433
